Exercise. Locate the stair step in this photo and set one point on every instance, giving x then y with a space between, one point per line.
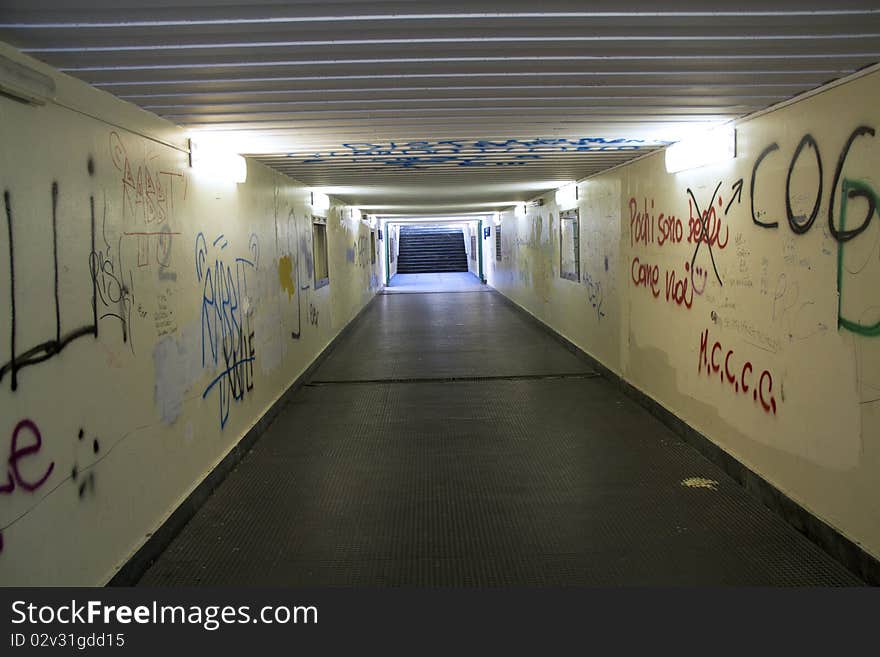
431 249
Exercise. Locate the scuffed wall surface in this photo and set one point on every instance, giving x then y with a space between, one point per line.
715 291
150 317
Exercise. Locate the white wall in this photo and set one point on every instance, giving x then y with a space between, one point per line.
472 248
764 358
392 233
184 308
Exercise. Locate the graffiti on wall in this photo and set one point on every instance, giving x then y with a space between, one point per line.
677 285
147 206
227 336
62 335
471 153
742 380
705 229
83 474
595 295
147 191
791 310
297 255
285 276
25 445
114 284
859 205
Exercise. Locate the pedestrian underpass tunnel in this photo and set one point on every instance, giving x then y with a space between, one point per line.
480 294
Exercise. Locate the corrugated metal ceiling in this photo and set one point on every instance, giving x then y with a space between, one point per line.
421 106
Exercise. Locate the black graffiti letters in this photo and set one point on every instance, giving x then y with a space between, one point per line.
797 226
763 224
48 348
703 218
848 189
853 191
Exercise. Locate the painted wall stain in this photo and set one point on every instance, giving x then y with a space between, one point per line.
285 276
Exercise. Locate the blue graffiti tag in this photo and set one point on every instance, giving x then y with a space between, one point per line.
466 153
227 336
595 295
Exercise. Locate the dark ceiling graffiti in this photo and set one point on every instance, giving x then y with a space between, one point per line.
472 153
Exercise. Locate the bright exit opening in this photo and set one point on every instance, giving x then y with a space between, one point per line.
435 256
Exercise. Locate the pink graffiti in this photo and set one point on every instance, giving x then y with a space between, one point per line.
17 453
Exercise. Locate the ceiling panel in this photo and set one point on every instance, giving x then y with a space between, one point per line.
453 105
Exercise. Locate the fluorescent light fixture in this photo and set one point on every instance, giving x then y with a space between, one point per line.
320 202
711 147
567 197
217 162
520 210
441 207
24 83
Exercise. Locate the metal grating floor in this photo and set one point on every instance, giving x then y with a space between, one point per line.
536 473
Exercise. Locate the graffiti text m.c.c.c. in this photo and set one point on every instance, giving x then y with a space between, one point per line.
714 360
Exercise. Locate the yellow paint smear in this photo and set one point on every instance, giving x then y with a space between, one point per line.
285 275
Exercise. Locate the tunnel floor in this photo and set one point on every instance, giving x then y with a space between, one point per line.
449 441
437 282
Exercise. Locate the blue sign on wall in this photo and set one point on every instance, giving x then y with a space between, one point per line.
486 232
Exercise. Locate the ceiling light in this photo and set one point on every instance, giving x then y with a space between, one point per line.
711 147
320 203
567 197
216 161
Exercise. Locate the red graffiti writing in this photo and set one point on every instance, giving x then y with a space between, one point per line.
646 275
681 286
707 228
646 228
678 288
671 229
715 360
143 194
641 227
